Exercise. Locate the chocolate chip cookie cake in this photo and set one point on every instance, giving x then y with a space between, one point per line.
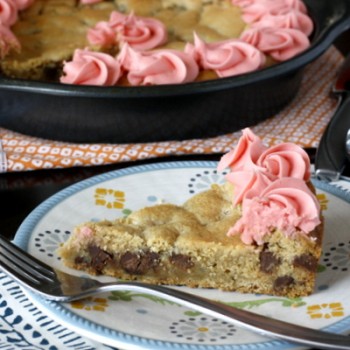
259 232
132 42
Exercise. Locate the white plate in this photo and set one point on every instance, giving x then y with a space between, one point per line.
137 321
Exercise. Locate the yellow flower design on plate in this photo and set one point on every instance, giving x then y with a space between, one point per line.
322 198
90 304
326 310
109 198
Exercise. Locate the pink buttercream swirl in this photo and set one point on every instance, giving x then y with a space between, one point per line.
140 33
8 41
8 16
272 4
270 184
227 58
157 67
253 165
256 10
243 3
8 12
90 1
286 160
248 184
23 4
292 19
280 43
102 35
286 204
245 155
91 68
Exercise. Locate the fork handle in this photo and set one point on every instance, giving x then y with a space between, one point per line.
260 324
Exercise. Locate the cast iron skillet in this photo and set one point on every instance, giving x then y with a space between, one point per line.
174 112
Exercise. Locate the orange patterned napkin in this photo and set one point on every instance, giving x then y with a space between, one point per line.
302 122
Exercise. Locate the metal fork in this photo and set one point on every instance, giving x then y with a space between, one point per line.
59 286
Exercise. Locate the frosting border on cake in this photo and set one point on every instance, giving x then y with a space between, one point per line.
224 58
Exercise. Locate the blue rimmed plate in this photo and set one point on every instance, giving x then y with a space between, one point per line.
138 321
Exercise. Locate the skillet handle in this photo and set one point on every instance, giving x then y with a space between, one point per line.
331 152
335 26
341 20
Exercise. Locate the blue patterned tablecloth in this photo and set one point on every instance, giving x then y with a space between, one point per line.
23 326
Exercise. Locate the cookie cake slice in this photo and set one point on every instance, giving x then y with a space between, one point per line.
259 232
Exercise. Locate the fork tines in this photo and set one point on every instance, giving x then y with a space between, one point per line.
23 266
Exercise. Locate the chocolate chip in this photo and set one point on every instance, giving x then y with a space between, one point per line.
268 261
283 282
79 260
306 261
181 261
99 258
139 263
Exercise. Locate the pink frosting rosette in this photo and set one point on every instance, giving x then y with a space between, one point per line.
245 155
286 160
157 67
90 1
8 12
102 35
227 58
140 33
279 4
243 3
280 43
23 4
91 68
292 19
248 184
254 166
257 9
295 5
286 204
8 41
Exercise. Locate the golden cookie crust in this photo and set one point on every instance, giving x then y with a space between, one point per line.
188 245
